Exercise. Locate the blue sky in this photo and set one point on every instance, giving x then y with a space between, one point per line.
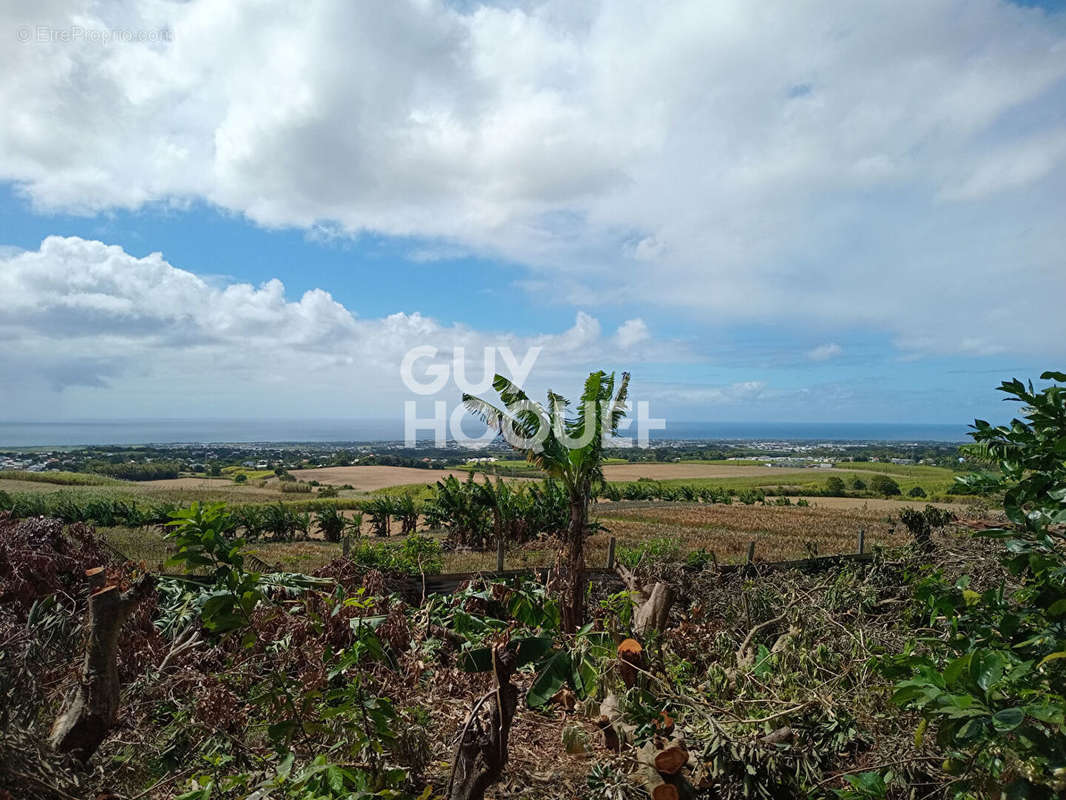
884 245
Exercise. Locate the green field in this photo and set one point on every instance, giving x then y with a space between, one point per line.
58 478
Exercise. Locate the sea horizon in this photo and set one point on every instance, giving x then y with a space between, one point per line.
126 432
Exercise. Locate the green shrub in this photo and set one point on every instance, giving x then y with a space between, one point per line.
417 554
916 491
834 486
991 683
660 550
884 485
240 477
858 484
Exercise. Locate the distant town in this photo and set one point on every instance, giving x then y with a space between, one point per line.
172 460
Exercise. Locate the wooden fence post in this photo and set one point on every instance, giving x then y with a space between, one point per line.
499 554
610 554
862 541
346 545
751 552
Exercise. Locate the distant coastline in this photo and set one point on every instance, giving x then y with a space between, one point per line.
285 431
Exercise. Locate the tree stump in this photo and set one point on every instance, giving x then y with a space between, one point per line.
92 709
653 603
482 752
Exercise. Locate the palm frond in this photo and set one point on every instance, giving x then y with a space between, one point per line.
485 411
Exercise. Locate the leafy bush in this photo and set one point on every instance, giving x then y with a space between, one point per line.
661 550
201 534
834 486
992 683
884 485
416 555
916 491
921 524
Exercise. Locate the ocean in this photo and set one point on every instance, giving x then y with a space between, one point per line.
244 431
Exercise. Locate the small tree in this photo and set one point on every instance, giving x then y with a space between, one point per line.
569 450
331 523
916 491
991 685
921 524
882 484
834 486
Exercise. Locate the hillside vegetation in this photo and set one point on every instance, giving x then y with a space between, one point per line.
931 668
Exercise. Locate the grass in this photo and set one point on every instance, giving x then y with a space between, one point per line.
248 472
934 484
910 470
59 478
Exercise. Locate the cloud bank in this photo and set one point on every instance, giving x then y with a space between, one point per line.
81 314
894 167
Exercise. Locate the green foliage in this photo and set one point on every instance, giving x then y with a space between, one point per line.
921 524
660 550
56 477
415 556
332 523
864 786
916 491
201 536
992 683
475 514
884 485
136 471
240 477
834 486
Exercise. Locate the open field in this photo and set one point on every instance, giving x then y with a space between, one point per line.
371 478
176 490
688 470
671 529
57 478
879 504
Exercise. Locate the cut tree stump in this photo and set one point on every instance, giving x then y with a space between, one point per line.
482 751
630 661
671 758
92 709
616 732
660 783
653 602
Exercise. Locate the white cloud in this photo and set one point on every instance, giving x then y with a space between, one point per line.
80 316
740 393
858 164
632 332
824 352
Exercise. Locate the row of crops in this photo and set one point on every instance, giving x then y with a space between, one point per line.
473 513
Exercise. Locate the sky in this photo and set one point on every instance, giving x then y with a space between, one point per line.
805 211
